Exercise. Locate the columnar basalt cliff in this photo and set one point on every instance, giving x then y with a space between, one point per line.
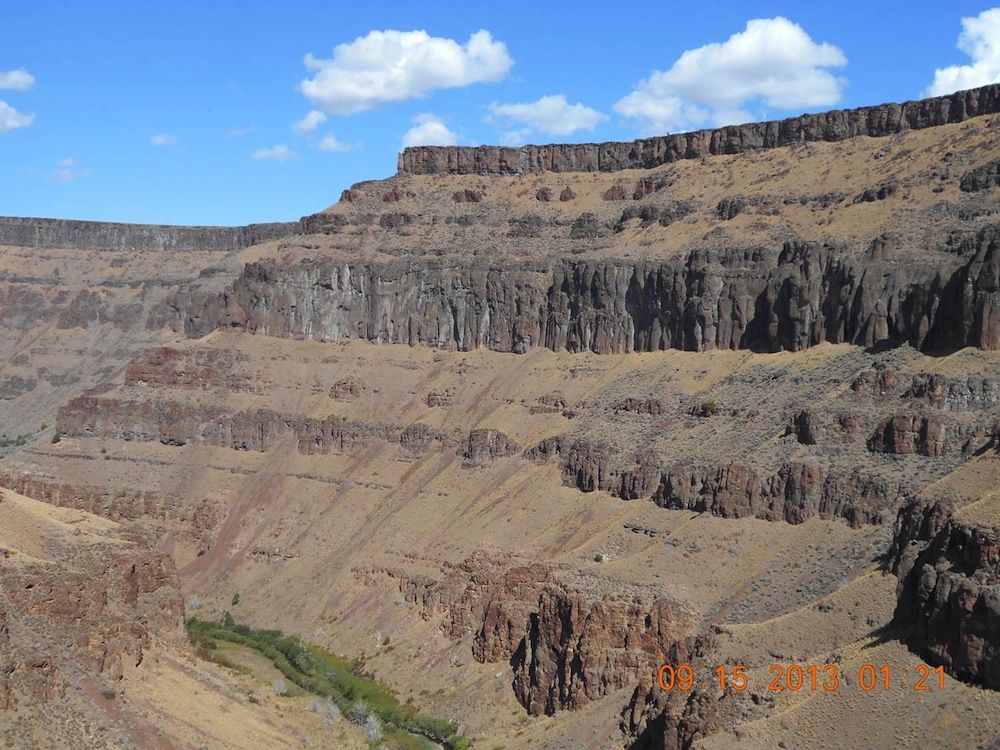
949 592
838 125
794 493
100 235
793 298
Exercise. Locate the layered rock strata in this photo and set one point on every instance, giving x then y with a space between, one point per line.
178 423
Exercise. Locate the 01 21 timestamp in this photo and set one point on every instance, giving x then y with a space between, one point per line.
811 677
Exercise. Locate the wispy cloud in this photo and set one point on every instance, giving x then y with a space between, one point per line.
280 152
10 117
163 139
309 123
549 116
240 132
67 170
332 143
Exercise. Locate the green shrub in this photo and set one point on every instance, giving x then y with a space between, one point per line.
708 408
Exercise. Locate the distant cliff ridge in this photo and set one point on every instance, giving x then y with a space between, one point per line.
838 125
99 235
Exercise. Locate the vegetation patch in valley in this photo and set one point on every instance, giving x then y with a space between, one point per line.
360 699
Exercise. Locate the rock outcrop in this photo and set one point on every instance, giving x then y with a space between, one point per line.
949 593
796 492
89 603
917 522
875 384
805 427
761 300
955 393
929 436
568 642
676 720
487 445
651 406
982 178
878 121
178 423
198 369
155 509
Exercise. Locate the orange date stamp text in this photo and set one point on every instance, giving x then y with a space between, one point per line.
810 677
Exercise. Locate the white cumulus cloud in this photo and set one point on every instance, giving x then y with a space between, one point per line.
392 66
333 143
310 122
773 60
429 130
11 118
16 80
549 115
280 152
163 139
980 40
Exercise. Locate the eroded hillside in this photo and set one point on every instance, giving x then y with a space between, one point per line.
516 436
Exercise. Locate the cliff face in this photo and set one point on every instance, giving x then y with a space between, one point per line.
800 296
838 125
794 493
568 642
949 594
676 720
177 423
99 235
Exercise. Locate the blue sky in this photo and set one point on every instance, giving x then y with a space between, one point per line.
86 88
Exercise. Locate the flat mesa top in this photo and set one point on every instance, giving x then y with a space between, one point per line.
836 125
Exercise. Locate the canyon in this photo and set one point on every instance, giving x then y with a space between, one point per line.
512 428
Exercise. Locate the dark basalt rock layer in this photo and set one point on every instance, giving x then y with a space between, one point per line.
949 592
838 125
100 235
761 299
